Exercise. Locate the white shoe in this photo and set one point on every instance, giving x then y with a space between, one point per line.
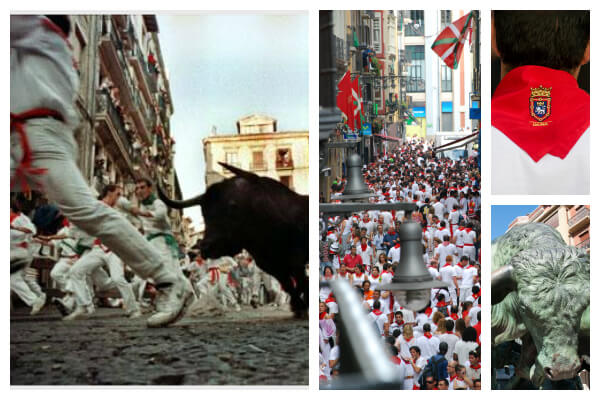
80 312
38 305
171 303
134 314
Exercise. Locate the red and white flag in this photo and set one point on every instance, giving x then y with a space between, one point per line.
450 42
345 100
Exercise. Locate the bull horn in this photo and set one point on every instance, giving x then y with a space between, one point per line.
178 204
239 172
502 283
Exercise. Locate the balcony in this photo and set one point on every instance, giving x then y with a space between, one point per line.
284 164
585 245
111 129
579 220
147 79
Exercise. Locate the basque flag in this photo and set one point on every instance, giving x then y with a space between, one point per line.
449 43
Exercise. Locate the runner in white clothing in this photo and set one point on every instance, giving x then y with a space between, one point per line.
43 84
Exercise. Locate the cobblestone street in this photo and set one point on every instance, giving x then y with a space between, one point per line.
252 347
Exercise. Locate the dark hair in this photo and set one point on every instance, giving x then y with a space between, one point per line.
145 180
376 305
449 325
106 190
475 289
329 268
464 258
393 349
416 348
553 39
62 21
396 333
469 334
427 327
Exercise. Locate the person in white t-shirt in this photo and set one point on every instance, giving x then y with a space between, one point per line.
449 276
469 276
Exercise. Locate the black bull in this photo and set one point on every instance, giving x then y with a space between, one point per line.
262 216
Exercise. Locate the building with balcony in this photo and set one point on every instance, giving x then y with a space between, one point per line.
572 222
259 148
124 103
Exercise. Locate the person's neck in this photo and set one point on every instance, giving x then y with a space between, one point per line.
506 68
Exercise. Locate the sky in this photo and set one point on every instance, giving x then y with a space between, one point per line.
224 66
502 216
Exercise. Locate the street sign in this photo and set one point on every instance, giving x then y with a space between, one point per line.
474 113
367 129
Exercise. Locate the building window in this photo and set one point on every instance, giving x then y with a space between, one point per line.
446 79
416 68
258 162
416 27
284 159
377 34
231 158
287 181
445 18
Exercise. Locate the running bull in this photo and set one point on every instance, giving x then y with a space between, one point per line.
262 216
541 294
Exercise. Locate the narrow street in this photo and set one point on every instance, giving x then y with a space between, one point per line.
266 346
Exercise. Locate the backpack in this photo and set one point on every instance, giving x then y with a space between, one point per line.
431 369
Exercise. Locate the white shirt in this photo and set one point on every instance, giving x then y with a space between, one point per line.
394 254
429 347
447 273
468 275
515 172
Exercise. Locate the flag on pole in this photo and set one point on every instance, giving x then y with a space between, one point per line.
344 99
357 107
450 42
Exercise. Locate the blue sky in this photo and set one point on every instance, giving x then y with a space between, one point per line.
502 216
225 66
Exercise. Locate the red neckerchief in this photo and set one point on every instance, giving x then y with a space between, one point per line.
330 298
475 366
13 216
453 377
375 276
366 219
397 245
447 264
465 313
454 316
66 223
427 335
322 315
391 232
377 312
396 360
567 110
428 311
358 275
441 304
343 275
363 247
476 295
468 230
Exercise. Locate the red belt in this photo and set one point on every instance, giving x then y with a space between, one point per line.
23 245
17 123
460 247
468 244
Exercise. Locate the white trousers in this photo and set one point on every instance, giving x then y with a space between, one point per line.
465 291
90 264
469 251
54 149
19 285
60 272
